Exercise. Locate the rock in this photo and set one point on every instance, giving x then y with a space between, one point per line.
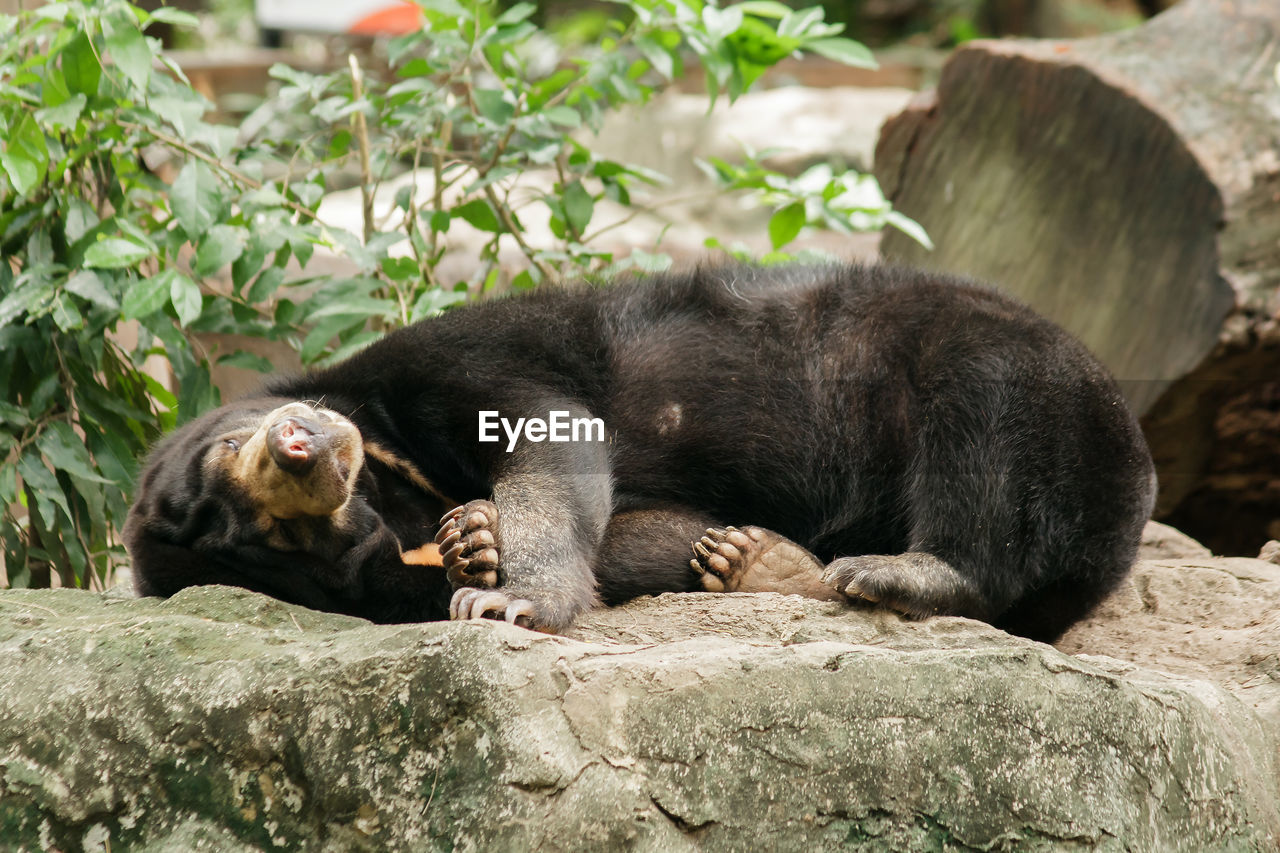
223 720
1270 552
1216 619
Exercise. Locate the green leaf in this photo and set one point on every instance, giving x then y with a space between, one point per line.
447 8
843 50
578 206
480 214
356 306
651 261
115 253
220 246
266 284
196 199
515 14
416 67
721 22
26 156
785 224
65 451
14 416
41 483
400 269
757 43
524 280
130 52
87 285
765 8
53 11
179 105
800 21
66 315
267 196
563 116
185 296
543 90
439 220
325 331
25 300
659 57
145 297
909 227
246 361
358 340
176 17
162 395
435 300
492 104
53 88
81 218
80 66
65 114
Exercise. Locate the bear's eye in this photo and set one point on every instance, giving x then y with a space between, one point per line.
234 444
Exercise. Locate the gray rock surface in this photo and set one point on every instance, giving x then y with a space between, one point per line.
223 720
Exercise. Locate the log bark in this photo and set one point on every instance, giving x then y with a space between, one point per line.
1128 186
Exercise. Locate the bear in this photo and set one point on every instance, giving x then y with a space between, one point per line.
882 435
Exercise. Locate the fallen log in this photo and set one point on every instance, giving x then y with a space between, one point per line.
1128 186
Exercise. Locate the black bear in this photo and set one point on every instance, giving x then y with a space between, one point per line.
886 434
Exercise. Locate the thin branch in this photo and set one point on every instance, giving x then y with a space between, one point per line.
513 229
639 210
360 127
229 171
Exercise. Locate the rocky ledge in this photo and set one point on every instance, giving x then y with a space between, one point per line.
224 720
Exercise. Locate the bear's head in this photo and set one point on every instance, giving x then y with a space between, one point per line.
269 494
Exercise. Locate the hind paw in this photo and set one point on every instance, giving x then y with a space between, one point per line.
753 559
723 556
914 584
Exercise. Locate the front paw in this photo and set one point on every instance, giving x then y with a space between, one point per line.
469 544
471 603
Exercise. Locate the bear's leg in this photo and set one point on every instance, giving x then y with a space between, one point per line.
915 584
646 552
547 516
753 559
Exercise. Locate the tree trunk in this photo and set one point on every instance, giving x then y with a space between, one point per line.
1129 187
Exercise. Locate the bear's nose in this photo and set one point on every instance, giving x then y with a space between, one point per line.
295 443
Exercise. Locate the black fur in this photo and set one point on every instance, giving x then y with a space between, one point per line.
855 410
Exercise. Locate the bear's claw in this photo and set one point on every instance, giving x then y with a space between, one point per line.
470 603
753 559
723 555
469 544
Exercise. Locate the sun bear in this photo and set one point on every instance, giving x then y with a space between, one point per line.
882 434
